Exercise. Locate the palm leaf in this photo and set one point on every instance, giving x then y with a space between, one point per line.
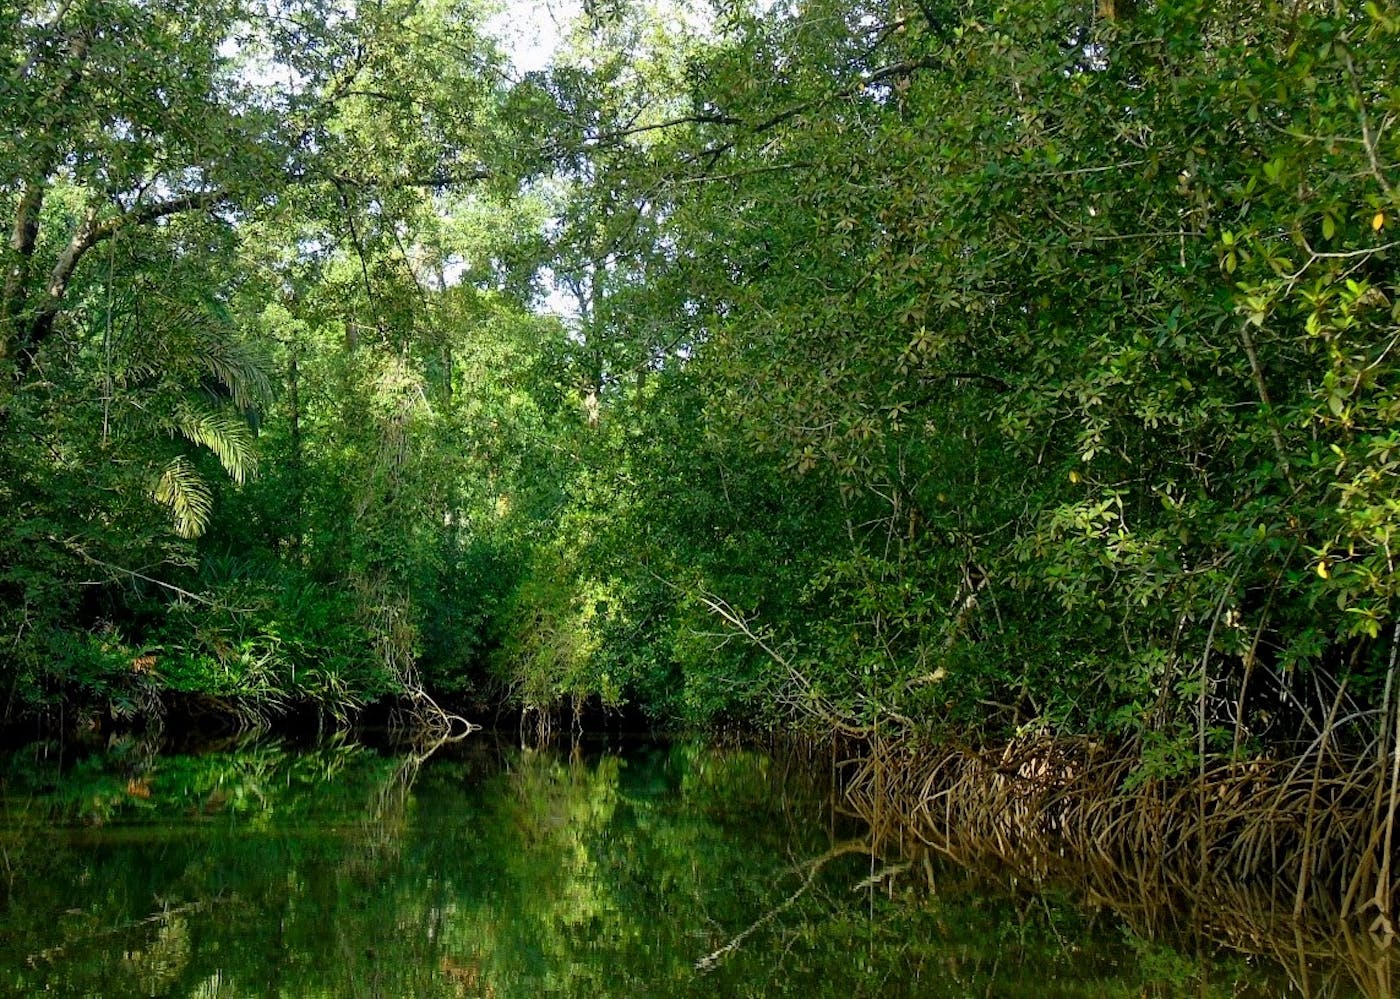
226 435
182 490
241 370
186 342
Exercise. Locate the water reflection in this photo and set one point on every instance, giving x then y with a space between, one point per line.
487 870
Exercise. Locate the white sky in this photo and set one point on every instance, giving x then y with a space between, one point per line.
531 30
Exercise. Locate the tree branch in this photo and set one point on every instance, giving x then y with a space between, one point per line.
90 233
688 119
435 181
25 233
892 71
22 241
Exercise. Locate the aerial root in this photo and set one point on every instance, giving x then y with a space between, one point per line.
1308 826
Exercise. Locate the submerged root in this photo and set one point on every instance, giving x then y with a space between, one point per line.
1251 852
422 721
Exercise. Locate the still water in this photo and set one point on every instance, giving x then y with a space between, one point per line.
484 869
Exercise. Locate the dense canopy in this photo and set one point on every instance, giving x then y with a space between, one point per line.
956 368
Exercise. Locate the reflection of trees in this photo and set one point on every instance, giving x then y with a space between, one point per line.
614 873
813 869
490 871
385 821
132 861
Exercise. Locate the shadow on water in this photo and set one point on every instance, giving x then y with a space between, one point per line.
487 869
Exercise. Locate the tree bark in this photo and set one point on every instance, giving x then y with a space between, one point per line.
1118 11
22 241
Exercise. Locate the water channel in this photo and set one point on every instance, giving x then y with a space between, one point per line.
486 869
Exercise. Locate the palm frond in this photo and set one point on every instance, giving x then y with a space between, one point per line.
189 341
241 370
228 436
187 495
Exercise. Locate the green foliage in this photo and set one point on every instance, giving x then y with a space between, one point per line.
1060 312
997 369
154 150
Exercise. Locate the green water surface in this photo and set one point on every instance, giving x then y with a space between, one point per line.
484 869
